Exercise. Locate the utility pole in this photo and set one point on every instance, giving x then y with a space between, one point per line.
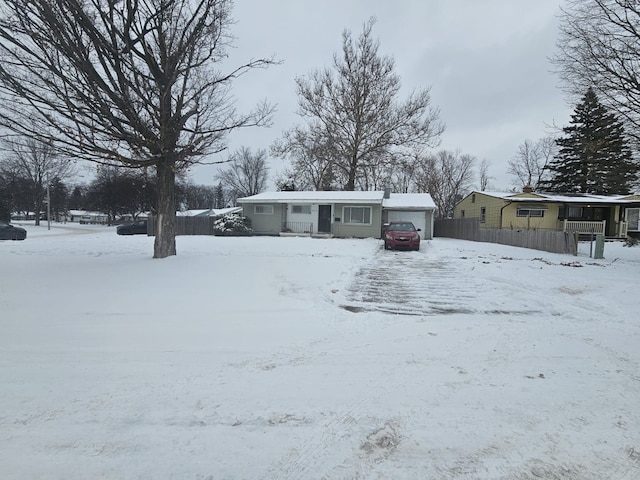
48 207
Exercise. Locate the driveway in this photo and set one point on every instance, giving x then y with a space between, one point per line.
418 283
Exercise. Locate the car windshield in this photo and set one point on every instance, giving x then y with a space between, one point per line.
401 227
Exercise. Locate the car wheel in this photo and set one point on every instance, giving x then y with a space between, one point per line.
386 247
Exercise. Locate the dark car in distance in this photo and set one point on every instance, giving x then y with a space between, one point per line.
9 232
401 235
135 228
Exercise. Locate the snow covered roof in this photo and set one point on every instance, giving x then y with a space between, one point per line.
191 213
409 201
315 197
209 212
559 198
225 211
418 201
77 213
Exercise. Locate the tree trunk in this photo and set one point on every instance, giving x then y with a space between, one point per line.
165 241
37 208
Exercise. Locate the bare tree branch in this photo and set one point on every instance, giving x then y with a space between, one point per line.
599 48
247 173
354 117
132 82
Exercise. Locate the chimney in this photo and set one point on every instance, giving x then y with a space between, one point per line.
387 193
527 189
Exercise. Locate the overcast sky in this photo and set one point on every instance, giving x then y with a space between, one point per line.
486 62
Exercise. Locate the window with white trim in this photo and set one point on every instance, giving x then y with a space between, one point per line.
306 209
263 209
632 217
356 215
483 214
530 212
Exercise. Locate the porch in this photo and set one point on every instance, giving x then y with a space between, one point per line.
297 228
584 227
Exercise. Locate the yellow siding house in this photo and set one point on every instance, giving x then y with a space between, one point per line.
611 215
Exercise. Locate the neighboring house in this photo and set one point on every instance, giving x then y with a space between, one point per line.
210 212
82 216
611 215
337 213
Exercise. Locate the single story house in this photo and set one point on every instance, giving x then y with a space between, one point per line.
337 213
610 215
85 216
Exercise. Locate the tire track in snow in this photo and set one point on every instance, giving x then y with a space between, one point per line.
413 283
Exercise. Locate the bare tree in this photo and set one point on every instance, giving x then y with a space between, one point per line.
401 177
247 173
447 176
530 164
598 48
119 191
135 83
192 196
483 174
313 162
39 165
352 111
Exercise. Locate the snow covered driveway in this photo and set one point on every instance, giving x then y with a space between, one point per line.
410 283
299 358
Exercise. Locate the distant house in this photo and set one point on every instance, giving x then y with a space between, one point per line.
337 213
84 216
610 215
209 212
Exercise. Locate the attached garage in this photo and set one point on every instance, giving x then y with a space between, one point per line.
359 214
419 219
417 208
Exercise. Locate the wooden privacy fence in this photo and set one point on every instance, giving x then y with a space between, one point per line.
546 240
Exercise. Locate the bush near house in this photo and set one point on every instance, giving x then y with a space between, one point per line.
232 225
631 242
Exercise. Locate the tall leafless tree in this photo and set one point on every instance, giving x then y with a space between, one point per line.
247 173
599 48
353 111
39 165
483 174
313 162
529 166
138 83
447 176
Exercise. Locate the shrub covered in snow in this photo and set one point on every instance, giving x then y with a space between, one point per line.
232 224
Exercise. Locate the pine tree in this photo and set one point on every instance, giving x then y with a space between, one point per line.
594 155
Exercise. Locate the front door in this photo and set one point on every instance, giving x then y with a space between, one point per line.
324 218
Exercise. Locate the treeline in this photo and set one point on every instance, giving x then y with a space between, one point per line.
114 191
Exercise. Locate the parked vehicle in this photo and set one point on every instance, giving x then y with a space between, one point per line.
9 232
401 235
135 228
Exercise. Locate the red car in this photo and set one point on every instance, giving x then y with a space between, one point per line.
401 235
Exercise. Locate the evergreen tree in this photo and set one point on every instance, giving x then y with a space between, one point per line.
594 155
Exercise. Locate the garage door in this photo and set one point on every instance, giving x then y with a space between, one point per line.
419 219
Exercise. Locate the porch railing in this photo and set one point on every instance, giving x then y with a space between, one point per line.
585 227
298 227
622 229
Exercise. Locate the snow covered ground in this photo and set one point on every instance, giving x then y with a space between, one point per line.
299 358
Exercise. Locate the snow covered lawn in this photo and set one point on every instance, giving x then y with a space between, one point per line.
299 358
